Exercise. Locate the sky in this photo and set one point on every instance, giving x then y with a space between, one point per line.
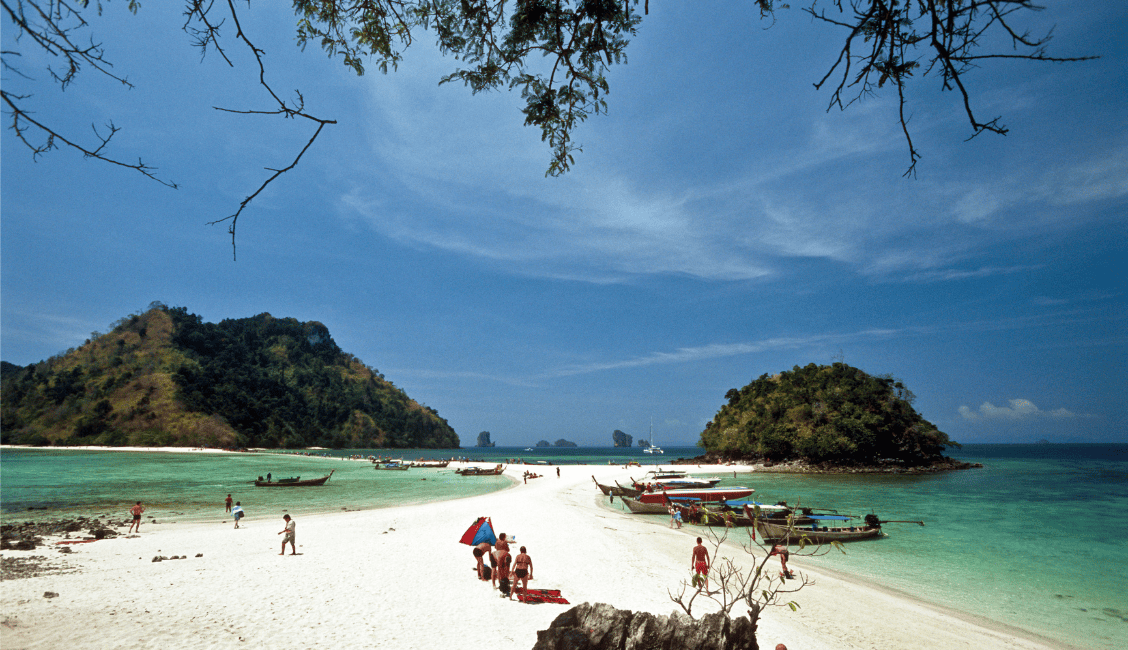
719 224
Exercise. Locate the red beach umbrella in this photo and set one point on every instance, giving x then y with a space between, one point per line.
480 531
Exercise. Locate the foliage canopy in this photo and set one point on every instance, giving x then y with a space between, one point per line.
557 53
834 413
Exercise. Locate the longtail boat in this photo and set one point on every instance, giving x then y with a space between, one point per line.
429 463
479 471
643 508
621 491
393 466
784 534
294 482
605 489
704 494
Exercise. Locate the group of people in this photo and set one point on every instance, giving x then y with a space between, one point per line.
500 573
290 530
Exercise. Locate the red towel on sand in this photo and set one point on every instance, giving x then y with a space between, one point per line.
541 596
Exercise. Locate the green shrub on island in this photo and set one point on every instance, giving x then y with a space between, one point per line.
833 414
166 378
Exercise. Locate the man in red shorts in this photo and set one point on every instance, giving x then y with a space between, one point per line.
699 563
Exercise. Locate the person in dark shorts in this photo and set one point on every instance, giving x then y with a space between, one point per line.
227 502
136 512
504 559
522 570
480 552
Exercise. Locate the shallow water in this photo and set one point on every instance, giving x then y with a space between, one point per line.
1035 539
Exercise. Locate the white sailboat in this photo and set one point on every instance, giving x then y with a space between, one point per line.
652 449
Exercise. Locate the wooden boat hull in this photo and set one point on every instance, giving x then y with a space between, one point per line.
775 533
478 471
641 508
306 483
605 489
705 495
393 468
621 491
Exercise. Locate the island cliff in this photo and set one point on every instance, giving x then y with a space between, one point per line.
484 440
621 439
166 378
835 415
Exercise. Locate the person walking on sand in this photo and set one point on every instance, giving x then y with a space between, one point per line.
699 563
237 513
291 525
523 571
784 555
227 502
136 512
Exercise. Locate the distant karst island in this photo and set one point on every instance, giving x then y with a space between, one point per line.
826 417
484 440
621 439
166 378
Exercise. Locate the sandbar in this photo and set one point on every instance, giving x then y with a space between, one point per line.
398 578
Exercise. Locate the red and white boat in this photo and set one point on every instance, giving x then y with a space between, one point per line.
704 494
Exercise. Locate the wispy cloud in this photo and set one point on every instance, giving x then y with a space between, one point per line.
1019 409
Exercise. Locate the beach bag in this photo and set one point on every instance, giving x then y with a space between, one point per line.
503 586
487 572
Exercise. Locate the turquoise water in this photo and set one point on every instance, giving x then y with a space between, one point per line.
184 487
1035 539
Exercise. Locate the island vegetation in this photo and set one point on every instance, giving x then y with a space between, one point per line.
166 378
621 439
835 415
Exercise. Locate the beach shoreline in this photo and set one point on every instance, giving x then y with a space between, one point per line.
397 577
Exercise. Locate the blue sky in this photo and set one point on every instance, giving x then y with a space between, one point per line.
719 224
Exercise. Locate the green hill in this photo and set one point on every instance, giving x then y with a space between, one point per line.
165 378
824 414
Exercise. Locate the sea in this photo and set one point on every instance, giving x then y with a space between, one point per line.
1037 538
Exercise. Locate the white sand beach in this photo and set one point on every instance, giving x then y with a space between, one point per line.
398 578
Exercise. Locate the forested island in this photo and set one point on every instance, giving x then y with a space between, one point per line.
834 415
166 378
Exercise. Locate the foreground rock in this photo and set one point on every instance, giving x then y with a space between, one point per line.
29 535
603 627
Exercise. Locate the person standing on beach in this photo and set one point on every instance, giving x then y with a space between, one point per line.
227 502
699 563
290 528
504 559
237 513
523 571
136 512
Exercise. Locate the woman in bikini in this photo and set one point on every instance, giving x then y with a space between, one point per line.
523 570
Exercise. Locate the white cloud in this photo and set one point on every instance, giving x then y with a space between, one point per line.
1019 409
